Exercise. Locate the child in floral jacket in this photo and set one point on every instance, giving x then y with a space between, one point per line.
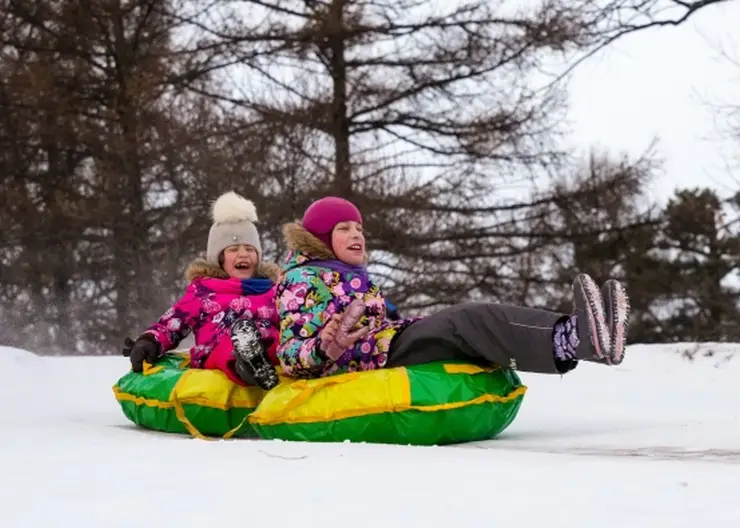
316 289
333 316
229 304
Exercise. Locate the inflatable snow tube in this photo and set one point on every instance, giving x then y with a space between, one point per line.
172 397
432 404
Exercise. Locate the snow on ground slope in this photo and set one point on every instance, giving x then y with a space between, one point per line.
652 443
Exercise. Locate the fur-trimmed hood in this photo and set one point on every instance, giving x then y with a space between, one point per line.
299 240
200 268
305 247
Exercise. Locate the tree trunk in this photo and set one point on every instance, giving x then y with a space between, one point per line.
339 119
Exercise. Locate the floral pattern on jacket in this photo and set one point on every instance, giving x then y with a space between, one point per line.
210 305
309 294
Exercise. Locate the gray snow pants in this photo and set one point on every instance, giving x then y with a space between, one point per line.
483 333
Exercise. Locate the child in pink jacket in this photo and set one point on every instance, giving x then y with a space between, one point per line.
229 304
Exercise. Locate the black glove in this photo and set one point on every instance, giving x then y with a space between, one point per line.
145 348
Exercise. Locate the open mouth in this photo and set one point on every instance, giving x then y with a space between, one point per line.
355 247
242 266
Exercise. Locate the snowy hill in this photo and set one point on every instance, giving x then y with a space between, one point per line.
652 443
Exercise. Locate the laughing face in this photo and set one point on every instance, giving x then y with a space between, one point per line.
348 243
241 261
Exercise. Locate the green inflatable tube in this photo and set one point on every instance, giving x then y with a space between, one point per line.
431 404
174 398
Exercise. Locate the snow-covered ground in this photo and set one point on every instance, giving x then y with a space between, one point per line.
653 443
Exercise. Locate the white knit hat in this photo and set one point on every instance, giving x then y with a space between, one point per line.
233 223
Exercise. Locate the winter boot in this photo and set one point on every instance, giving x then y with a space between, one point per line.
352 314
617 307
345 333
252 364
595 339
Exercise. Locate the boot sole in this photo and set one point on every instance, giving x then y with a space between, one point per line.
250 354
587 299
617 301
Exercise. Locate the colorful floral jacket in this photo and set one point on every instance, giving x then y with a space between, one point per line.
309 294
211 303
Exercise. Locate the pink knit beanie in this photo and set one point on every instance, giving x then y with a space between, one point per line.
322 215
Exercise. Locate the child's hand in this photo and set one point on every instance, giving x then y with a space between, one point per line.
145 348
329 332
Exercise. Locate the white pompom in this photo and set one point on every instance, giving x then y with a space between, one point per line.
231 207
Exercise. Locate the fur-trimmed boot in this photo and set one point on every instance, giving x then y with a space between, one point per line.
596 329
592 329
346 334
